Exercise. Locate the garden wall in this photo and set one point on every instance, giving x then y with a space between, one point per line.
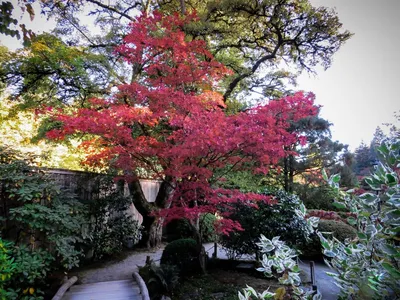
87 187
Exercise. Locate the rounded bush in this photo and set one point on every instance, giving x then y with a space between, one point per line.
181 229
182 253
338 229
317 197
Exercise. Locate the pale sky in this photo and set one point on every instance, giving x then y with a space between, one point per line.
359 91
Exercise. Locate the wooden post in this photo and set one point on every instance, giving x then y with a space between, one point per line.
215 254
312 273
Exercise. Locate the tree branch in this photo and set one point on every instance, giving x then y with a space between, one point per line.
111 9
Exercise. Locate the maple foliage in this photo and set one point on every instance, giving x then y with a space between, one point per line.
170 121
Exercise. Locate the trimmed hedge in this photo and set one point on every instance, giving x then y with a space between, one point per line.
182 253
181 229
339 230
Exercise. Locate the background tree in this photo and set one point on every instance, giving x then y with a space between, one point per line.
52 72
364 160
20 129
315 152
253 38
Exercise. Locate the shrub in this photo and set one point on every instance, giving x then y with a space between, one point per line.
182 253
160 280
316 197
112 226
368 266
330 228
23 274
330 215
279 259
36 212
181 228
338 229
282 219
7 268
207 228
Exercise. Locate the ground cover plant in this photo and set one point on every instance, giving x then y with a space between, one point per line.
279 260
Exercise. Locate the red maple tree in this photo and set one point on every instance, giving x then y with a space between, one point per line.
170 124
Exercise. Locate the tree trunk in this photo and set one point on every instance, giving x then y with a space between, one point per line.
155 233
291 173
183 7
152 232
200 248
286 173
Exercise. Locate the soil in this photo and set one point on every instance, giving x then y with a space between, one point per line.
241 279
222 284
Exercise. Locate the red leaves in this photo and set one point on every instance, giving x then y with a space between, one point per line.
172 124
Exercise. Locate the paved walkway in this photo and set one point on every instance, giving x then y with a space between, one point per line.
122 270
116 270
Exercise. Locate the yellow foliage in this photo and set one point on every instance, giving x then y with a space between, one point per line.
40 47
280 293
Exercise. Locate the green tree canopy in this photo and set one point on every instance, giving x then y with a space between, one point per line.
266 44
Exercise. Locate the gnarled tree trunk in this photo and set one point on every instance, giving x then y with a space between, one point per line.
152 233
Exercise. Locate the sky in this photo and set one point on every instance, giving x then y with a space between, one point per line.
359 91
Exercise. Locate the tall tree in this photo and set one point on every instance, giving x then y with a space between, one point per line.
171 123
364 160
52 72
255 39
314 152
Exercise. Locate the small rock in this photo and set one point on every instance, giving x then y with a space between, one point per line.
245 266
218 295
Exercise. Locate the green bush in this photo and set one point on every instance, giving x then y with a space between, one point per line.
23 271
112 226
7 268
182 253
330 228
316 197
181 229
280 219
35 209
178 229
339 229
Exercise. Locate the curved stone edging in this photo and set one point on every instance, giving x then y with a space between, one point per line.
142 286
67 284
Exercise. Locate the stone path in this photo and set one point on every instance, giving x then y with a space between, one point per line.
116 270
